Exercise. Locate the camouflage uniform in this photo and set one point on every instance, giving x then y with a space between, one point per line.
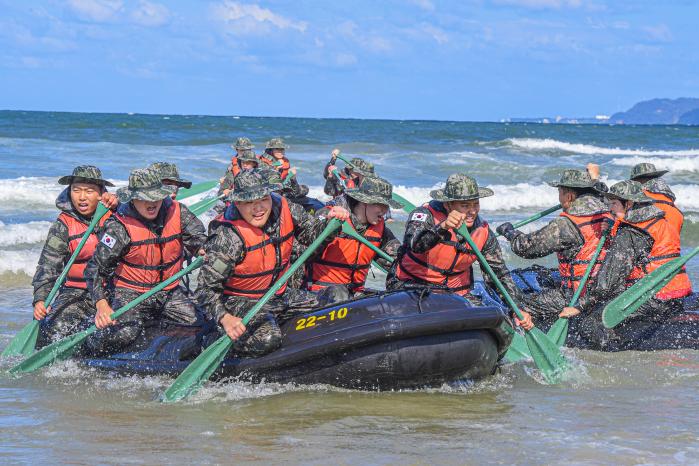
421 235
245 155
629 248
169 172
173 305
560 236
373 190
73 306
225 249
333 187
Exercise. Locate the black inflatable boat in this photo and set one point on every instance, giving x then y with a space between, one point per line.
681 331
390 340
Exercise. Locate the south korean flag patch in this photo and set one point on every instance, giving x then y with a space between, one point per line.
418 217
108 241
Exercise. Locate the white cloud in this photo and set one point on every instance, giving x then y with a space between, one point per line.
659 33
250 18
95 10
439 35
424 4
150 14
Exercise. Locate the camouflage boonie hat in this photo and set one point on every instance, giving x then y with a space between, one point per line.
145 185
276 143
85 174
573 179
374 190
247 155
253 184
243 143
628 190
460 187
168 171
646 169
362 167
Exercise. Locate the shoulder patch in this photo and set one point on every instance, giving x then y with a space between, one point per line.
108 241
418 217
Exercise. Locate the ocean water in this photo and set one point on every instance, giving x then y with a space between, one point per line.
625 408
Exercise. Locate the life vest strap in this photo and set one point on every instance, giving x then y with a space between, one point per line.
342 265
135 282
158 240
446 273
275 241
261 274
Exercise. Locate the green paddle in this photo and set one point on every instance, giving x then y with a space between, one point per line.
349 231
337 175
407 205
534 217
547 356
204 205
201 369
559 330
198 188
25 341
64 348
626 303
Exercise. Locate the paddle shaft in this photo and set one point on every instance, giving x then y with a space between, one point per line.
199 188
588 270
349 231
534 217
463 231
339 178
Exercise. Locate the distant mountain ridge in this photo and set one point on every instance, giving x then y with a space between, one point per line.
682 111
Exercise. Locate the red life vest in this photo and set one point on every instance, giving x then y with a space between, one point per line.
151 259
666 247
76 229
672 214
283 169
591 228
266 258
345 261
443 264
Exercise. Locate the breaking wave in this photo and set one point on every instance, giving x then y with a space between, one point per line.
553 144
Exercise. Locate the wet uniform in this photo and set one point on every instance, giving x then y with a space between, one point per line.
73 306
226 252
109 268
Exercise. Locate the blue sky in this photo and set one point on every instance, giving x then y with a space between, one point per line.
422 59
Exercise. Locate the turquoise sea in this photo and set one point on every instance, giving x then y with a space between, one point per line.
624 408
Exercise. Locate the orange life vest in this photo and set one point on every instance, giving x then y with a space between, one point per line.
151 259
283 168
666 247
235 166
591 228
345 261
266 258
444 264
76 229
672 214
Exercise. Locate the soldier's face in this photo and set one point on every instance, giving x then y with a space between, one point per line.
256 212
248 165
357 177
468 208
277 153
565 197
619 207
147 209
375 213
85 197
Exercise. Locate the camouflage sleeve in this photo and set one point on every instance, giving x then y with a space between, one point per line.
628 248
227 182
559 235
100 268
307 227
332 186
421 234
224 249
493 255
193 231
389 245
53 257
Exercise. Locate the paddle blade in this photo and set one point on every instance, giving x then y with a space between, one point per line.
558 333
24 342
518 349
58 351
203 206
546 355
198 371
407 205
199 188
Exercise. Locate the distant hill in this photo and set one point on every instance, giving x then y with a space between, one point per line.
684 111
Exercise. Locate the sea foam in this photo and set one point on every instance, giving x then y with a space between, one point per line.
23 233
553 144
674 164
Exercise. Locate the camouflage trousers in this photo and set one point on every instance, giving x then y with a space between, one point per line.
263 334
71 312
173 306
544 307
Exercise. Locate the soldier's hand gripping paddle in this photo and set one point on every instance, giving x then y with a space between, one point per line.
25 341
201 369
534 217
547 356
184 193
64 348
559 330
626 303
